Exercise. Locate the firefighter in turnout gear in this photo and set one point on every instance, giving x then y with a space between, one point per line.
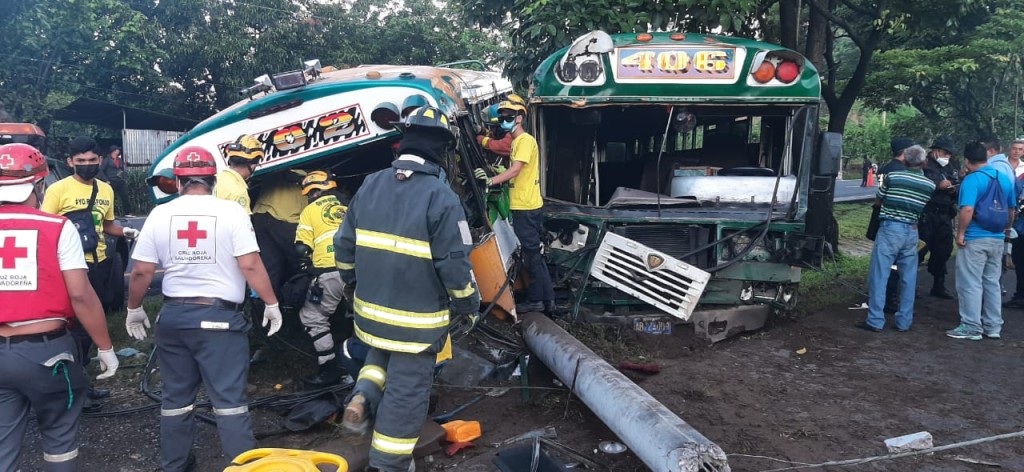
45 283
208 251
404 251
242 155
314 242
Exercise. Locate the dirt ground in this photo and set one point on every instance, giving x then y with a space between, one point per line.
753 395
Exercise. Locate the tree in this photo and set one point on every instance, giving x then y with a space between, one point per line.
968 84
57 51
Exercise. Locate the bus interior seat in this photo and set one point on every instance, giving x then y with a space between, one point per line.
618 169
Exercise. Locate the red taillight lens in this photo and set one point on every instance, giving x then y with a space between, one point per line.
384 115
644 37
764 72
787 72
167 185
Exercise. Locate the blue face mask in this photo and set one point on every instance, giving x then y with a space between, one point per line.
508 126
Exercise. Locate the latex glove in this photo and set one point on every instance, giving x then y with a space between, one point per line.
108 363
481 175
272 315
136 323
130 233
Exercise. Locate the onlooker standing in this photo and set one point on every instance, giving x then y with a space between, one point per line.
864 172
898 146
1016 152
112 172
978 264
902 197
996 158
89 204
936 225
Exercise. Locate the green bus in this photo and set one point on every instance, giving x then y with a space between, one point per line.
683 174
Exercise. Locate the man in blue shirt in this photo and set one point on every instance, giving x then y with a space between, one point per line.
978 263
996 158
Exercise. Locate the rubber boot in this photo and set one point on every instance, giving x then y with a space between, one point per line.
330 373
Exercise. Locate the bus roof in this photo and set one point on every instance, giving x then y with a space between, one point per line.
674 68
341 110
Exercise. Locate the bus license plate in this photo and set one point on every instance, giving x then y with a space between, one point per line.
649 326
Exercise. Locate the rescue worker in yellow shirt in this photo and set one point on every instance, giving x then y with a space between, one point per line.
242 155
526 204
275 216
314 243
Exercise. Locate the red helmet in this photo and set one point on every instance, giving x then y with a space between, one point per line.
194 161
21 164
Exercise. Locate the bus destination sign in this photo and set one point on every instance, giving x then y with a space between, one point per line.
676 63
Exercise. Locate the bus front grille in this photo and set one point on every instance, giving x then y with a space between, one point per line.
649 275
674 240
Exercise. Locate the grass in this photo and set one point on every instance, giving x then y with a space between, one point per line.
841 281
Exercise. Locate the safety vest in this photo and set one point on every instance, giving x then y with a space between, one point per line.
31 283
405 243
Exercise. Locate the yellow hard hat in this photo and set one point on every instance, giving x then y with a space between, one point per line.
510 105
516 99
246 148
317 180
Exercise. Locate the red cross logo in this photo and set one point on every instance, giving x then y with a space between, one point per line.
193 234
10 253
6 161
193 157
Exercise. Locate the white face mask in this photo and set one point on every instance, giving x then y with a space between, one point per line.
943 161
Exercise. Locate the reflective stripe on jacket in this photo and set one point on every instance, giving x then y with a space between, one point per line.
405 243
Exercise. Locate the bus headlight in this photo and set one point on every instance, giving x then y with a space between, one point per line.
590 71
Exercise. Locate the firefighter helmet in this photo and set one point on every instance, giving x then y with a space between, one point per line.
428 118
21 168
516 99
491 114
245 148
317 180
194 161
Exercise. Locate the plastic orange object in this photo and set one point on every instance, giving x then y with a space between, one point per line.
490 277
285 460
462 431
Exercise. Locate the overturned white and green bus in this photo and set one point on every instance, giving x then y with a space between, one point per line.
683 174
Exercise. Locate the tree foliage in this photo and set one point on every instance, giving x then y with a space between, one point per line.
188 58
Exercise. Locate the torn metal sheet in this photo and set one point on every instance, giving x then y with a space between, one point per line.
654 277
660 438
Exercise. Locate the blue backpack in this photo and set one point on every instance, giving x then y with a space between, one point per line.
991 212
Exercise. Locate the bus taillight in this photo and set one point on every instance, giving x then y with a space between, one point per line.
385 115
764 73
786 72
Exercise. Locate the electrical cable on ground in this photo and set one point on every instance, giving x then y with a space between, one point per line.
866 460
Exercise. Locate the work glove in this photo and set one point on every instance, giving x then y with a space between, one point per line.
481 175
130 233
272 315
305 263
108 363
136 323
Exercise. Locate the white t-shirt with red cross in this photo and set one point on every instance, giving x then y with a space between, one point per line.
197 238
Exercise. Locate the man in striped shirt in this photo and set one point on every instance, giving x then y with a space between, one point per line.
902 196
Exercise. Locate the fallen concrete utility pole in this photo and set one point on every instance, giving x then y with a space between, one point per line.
660 438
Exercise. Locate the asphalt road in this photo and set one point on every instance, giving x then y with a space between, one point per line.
851 191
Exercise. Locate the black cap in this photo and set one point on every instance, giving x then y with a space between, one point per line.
80 145
899 144
945 143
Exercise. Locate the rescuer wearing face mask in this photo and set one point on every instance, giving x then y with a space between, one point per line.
526 203
89 204
936 225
